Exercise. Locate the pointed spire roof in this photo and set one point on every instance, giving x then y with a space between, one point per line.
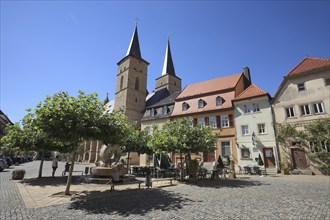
134 46
168 67
106 99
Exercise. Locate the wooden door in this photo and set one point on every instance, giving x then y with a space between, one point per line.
269 157
298 159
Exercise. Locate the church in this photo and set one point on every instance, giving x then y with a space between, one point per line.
131 93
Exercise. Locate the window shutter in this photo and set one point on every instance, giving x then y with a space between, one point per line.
206 121
231 120
218 121
195 122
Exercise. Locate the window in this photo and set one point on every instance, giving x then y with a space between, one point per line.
201 103
121 82
201 121
301 86
245 130
318 108
219 100
245 153
318 146
246 108
185 106
305 110
213 122
224 121
165 110
262 128
137 83
225 149
255 107
290 112
153 112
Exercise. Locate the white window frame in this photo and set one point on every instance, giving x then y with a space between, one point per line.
305 110
262 128
224 121
245 130
201 121
213 121
291 113
319 108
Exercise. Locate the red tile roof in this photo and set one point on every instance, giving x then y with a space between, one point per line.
309 64
213 85
252 91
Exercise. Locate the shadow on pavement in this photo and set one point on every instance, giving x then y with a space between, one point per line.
228 183
127 202
50 181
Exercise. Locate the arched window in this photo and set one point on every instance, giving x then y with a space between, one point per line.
201 103
137 83
185 106
121 82
219 100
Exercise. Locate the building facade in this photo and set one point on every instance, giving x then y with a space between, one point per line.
254 126
210 103
302 97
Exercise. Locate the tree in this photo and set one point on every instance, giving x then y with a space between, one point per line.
73 120
316 135
181 137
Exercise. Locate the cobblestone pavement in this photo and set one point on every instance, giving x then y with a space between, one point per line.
247 197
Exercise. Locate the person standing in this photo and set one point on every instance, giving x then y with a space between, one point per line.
54 165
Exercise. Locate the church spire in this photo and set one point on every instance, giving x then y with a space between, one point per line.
134 46
168 67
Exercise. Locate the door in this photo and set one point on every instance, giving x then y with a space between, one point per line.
298 159
269 157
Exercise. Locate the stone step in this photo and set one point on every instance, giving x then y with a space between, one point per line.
271 171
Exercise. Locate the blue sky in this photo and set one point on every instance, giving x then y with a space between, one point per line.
52 46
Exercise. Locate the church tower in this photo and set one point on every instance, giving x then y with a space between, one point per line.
168 79
131 85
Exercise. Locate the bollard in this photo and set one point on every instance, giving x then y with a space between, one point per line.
148 178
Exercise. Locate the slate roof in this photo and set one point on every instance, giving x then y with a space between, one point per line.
166 101
252 91
168 67
156 96
309 64
134 46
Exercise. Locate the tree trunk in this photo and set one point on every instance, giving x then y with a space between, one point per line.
68 183
41 163
182 167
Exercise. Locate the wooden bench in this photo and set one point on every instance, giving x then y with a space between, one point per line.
75 171
112 185
163 179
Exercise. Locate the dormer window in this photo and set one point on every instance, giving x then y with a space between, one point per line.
201 103
185 106
153 112
165 110
219 100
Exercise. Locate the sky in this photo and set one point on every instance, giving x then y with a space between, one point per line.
53 46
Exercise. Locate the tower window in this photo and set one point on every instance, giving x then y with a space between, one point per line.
121 82
301 87
136 100
137 83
